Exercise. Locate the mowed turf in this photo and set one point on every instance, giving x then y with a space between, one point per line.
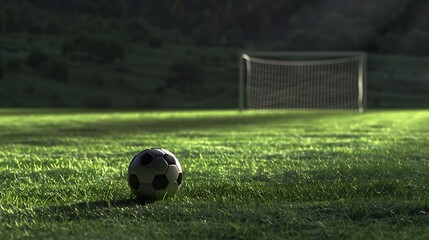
249 175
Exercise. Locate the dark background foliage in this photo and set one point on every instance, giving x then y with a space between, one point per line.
184 53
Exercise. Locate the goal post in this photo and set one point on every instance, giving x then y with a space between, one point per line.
302 80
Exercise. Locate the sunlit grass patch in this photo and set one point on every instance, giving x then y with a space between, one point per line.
253 174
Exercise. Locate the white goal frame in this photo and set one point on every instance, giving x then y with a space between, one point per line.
245 70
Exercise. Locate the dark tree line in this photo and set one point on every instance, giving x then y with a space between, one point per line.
376 26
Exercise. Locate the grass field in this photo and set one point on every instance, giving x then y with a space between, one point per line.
251 175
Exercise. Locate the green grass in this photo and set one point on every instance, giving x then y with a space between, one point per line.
250 175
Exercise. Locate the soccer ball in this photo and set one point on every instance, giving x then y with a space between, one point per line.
154 173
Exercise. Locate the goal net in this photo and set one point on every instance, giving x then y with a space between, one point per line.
302 81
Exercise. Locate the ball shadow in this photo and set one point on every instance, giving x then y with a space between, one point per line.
94 210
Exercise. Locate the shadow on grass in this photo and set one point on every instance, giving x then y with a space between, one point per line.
60 111
95 210
167 125
197 123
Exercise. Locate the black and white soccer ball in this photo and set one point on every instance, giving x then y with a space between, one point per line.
154 173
